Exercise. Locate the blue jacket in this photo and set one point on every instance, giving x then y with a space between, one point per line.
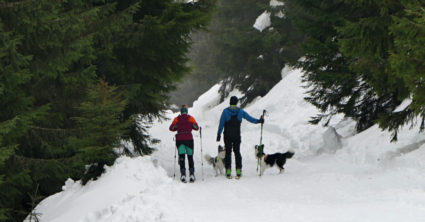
231 111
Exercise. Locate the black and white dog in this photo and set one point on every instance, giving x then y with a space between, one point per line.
218 161
270 160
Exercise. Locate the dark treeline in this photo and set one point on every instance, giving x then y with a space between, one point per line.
78 76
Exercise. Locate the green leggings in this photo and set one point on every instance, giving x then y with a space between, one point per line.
183 149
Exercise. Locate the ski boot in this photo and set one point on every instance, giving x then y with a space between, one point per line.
183 178
238 174
192 178
229 173
182 174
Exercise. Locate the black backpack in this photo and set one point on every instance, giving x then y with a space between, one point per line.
232 128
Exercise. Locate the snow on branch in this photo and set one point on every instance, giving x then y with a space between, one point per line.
263 21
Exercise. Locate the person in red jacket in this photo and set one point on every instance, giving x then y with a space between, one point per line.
184 124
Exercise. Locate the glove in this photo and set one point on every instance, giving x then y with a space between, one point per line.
261 120
218 137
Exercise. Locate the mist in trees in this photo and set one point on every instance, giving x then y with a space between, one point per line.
239 55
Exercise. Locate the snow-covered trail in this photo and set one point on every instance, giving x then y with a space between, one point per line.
350 185
317 189
297 196
356 178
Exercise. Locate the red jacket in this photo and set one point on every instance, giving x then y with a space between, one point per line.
184 124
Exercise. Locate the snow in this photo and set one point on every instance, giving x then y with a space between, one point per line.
275 3
336 175
403 105
280 14
263 21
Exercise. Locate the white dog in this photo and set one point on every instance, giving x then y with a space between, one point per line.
270 160
218 161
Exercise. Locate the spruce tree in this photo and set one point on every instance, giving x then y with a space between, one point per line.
407 62
16 115
100 129
346 58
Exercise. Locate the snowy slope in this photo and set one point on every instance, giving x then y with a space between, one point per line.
332 177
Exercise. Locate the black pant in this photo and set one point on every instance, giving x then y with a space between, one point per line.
188 143
232 144
182 163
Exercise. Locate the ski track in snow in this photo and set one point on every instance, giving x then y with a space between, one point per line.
369 179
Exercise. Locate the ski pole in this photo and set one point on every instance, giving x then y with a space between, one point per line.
202 161
260 148
261 134
175 157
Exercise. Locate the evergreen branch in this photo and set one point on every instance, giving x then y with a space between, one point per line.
32 160
96 26
10 5
35 199
52 129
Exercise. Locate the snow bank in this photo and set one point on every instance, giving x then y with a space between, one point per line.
109 197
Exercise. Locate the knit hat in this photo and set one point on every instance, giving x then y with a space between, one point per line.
183 110
233 100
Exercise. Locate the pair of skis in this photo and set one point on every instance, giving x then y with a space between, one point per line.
183 180
236 177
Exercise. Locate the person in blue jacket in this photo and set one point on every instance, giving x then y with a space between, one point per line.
230 121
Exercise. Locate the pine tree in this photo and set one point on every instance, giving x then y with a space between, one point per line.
367 40
16 116
407 62
101 129
346 58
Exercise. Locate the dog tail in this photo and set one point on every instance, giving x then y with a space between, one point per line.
209 159
289 154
